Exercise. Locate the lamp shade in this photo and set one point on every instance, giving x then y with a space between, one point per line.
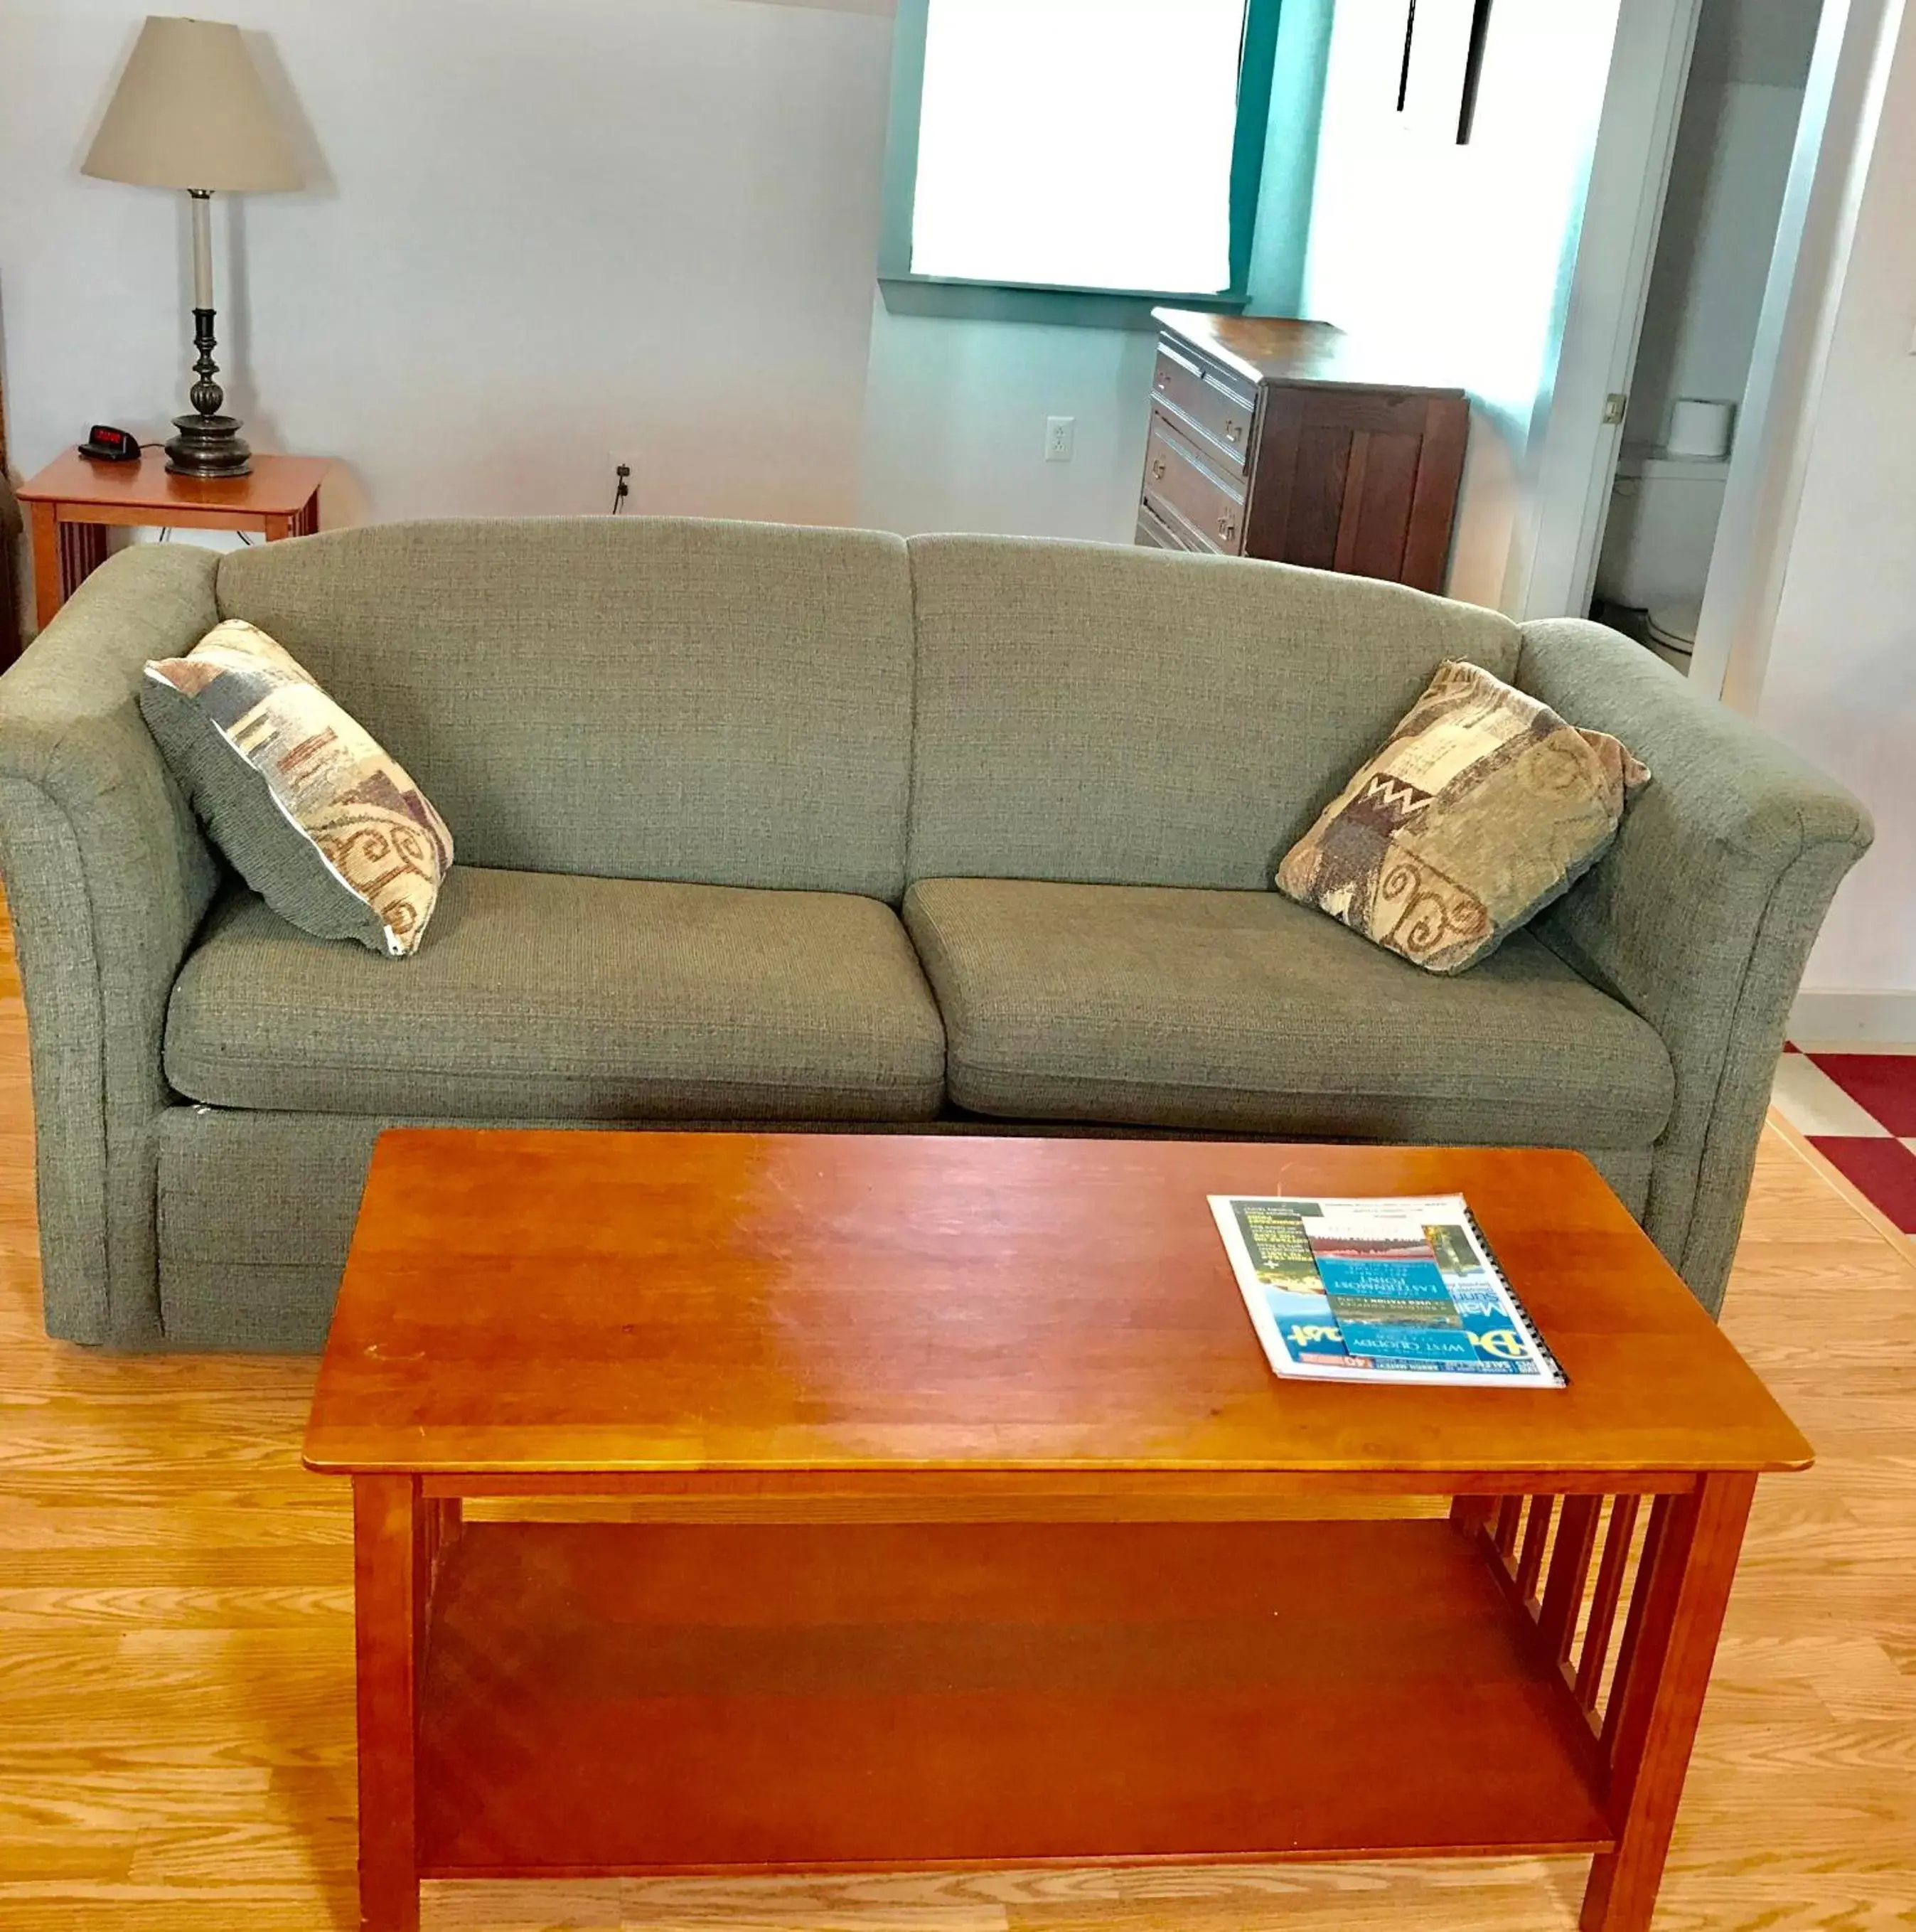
189 112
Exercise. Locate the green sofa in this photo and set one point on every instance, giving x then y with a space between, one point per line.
759 824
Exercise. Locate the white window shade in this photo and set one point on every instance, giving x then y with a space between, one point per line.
1078 143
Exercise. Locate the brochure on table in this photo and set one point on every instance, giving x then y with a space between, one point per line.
1397 1289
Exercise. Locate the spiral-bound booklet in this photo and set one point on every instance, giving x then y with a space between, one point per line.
1380 1289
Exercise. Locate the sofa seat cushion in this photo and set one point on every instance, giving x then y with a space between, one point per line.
1240 1011
547 996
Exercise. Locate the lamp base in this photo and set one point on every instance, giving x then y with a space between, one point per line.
208 446
208 443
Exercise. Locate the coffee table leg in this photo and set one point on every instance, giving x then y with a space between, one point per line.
391 1576
1688 1565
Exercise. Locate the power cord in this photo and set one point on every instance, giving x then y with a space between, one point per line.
622 489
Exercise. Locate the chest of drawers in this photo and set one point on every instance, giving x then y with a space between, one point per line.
1283 440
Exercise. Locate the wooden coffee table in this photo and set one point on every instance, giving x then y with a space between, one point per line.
963 1519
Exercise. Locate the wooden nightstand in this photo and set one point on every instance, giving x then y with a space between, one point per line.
73 502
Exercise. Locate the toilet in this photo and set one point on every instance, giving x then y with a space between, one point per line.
1671 631
1656 545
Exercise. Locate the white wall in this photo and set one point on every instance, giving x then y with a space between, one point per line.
1839 683
541 232
954 423
1459 254
538 231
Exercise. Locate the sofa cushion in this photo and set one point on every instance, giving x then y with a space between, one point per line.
1241 1011
1482 808
320 819
640 697
1126 716
543 996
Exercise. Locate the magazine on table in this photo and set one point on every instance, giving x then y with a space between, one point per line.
1398 1288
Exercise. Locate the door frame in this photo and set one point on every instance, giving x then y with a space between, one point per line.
1570 465
1570 460
1856 41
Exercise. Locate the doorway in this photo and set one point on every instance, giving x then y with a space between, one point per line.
1730 167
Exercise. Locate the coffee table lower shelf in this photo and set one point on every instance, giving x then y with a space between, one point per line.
600 1698
588 1700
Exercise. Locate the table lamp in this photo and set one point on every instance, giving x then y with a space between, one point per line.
190 113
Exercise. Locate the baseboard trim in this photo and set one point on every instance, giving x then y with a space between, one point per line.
1886 1019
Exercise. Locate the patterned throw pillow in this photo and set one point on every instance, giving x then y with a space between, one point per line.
321 823
1482 807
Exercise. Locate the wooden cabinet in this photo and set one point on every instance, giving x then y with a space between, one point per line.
1285 440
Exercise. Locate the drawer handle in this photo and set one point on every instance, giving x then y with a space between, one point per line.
1226 529
1164 380
1232 431
1157 470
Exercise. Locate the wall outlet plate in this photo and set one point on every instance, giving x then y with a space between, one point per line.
1060 439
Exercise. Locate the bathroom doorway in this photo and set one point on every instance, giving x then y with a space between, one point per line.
1735 139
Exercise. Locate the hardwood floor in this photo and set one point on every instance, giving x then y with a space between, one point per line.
176 1657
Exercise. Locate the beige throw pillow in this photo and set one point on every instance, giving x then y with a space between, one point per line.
320 820
1483 807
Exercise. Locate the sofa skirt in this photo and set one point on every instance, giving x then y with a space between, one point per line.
256 1209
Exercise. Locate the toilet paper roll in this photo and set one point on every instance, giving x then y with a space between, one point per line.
1701 428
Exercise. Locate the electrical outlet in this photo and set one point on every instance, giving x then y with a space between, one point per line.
1060 438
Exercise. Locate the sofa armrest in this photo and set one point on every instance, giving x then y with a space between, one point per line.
1701 917
107 878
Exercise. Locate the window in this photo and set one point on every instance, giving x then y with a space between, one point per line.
1094 145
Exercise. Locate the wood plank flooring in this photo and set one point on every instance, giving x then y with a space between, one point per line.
176 1659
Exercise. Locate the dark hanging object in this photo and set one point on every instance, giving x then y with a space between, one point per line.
1473 70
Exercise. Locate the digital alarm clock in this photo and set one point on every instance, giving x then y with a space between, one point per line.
105 444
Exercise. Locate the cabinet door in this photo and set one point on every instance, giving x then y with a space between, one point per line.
1360 481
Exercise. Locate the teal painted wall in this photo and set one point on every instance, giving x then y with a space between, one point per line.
1278 247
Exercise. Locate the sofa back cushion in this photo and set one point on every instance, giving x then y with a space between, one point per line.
1127 716
650 698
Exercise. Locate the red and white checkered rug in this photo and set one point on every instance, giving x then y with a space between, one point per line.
1858 1111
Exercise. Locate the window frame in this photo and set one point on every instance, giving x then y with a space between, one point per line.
906 292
